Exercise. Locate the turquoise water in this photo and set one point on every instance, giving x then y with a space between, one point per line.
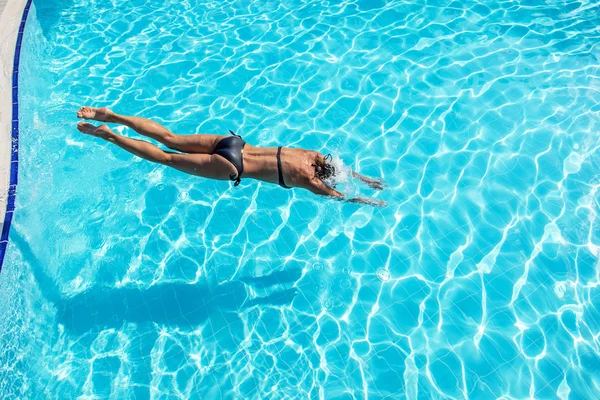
479 280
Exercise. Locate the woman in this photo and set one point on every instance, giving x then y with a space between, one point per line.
223 157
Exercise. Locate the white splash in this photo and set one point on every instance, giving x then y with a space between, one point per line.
343 180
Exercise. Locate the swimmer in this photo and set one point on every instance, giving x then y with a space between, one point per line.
224 157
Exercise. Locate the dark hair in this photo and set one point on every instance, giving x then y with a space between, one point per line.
324 169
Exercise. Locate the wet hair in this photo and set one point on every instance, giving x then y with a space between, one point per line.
324 169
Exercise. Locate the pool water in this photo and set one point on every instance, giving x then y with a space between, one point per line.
479 280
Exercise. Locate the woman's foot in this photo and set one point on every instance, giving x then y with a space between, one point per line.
98 114
102 131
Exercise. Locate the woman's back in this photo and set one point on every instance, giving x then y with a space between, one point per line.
296 165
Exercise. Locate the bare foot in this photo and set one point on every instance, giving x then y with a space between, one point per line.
101 131
98 114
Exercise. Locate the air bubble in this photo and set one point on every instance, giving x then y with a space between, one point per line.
345 284
383 275
318 266
337 302
160 186
321 287
182 195
333 303
264 134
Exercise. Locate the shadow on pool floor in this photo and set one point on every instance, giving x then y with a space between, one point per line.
180 304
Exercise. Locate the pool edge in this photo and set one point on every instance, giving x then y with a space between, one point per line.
12 21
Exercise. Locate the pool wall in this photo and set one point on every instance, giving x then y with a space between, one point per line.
13 14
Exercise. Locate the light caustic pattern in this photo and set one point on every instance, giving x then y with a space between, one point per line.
479 280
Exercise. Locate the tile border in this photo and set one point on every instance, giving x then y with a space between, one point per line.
14 155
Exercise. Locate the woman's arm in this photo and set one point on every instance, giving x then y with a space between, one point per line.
317 186
373 183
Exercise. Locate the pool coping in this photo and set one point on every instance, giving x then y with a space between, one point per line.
12 25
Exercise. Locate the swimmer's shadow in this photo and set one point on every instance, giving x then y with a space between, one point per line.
182 305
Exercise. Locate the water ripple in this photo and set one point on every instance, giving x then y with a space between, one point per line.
479 280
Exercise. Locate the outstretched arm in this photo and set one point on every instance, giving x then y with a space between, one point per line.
319 187
373 183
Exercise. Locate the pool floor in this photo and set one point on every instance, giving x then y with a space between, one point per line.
479 280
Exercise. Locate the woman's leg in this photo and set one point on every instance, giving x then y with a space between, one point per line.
204 144
205 165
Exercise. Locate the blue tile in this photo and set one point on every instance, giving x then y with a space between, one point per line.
2 252
6 227
14 166
14 173
12 191
10 204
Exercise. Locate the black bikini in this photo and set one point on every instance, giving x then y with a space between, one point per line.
280 170
232 149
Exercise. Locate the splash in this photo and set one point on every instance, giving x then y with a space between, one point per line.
343 180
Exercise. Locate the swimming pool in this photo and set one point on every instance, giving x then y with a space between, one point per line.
480 279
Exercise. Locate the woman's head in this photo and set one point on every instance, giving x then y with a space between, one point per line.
324 169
